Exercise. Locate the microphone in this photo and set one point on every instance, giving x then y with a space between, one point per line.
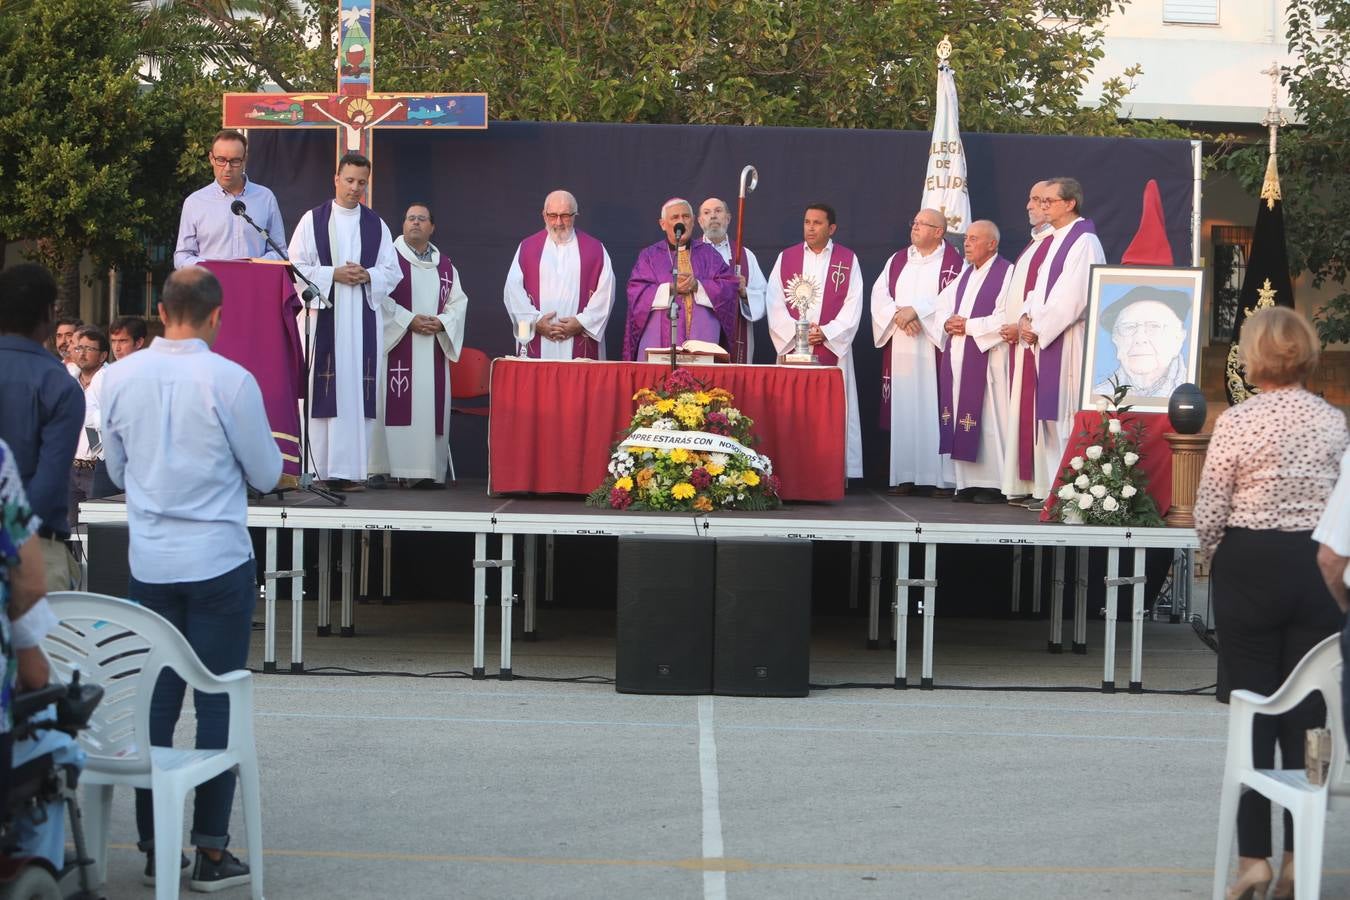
679 228
238 208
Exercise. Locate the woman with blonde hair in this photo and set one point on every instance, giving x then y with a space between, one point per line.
1272 463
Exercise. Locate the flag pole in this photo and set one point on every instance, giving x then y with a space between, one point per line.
749 181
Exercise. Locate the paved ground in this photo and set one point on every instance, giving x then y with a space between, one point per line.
404 787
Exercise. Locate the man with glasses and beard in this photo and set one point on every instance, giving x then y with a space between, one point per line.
209 229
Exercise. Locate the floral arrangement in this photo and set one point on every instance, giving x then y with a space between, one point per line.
728 475
1105 486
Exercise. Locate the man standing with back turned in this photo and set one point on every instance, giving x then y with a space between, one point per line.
190 556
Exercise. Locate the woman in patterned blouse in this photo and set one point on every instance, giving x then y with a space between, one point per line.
1272 463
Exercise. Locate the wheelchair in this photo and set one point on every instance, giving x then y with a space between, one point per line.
39 782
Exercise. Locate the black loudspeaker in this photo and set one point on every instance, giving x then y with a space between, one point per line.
763 618
665 616
109 570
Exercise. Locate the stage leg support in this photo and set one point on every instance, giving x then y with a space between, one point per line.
323 618
1016 606
364 589
1056 642
1037 573
1137 624
1114 582
348 628
387 570
270 594
929 612
900 614
528 587
508 599
874 600
479 602
1080 602
853 564
297 600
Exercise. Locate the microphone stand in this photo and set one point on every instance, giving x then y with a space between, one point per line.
672 311
307 481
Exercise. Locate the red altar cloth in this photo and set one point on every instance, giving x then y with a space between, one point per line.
552 424
1155 454
258 330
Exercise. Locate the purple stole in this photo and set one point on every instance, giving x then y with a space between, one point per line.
951 265
739 343
1026 411
398 394
324 402
1052 356
835 291
963 443
592 264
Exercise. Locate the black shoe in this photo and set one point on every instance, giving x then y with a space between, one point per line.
377 482
942 492
903 489
988 495
965 495
148 876
208 876
427 484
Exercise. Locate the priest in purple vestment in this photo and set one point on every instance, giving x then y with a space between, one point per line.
706 290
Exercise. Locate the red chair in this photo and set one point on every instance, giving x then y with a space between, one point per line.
470 379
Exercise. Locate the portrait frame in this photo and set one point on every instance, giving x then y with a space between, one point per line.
1111 290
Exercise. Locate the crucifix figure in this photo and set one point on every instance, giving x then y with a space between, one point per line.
838 272
968 423
399 382
356 107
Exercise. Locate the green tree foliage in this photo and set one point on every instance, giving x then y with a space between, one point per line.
1314 158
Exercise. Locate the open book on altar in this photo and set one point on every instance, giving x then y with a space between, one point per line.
690 353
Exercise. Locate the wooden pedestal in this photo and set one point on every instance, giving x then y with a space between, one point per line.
1188 459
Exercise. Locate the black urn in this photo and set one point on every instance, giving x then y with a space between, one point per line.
1186 410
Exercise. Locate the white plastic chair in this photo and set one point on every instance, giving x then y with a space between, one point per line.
1318 671
123 647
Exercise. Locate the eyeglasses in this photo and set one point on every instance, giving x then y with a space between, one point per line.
86 350
559 217
233 163
415 218
1046 201
917 224
1130 329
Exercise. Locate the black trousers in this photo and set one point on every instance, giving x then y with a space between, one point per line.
1271 607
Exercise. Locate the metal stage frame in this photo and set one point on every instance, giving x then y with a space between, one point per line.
908 524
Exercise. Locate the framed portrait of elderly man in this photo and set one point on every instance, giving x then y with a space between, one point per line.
1143 326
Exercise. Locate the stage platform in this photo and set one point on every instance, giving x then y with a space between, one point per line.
863 515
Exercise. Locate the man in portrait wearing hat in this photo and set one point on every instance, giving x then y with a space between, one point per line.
1148 328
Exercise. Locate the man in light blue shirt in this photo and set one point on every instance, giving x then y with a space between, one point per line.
208 229
183 430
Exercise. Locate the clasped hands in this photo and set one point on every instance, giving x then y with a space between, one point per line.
955 326
351 273
549 326
906 318
1019 332
422 324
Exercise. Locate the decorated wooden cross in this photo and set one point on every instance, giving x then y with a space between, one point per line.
357 107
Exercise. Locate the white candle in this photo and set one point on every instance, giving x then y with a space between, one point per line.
524 328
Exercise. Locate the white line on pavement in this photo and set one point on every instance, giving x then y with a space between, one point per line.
714 882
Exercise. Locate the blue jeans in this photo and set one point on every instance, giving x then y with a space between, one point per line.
216 617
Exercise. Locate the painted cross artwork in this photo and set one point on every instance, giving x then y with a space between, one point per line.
356 108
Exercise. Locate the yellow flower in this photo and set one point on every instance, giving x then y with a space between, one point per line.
624 484
703 504
644 477
703 398
685 397
665 405
715 469
679 455
719 394
683 491
750 477
646 395
689 414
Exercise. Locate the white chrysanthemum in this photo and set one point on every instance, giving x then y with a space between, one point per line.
1067 492
718 458
666 425
1098 491
1131 458
1113 426
1085 501
1110 504
1094 452
1128 491
732 413
1107 468
1081 482
1076 463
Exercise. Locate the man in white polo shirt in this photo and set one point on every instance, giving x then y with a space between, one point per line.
183 429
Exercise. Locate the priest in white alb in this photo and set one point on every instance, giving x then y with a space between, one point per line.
973 370
905 327
715 220
1019 459
423 334
561 284
818 265
1053 323
346 250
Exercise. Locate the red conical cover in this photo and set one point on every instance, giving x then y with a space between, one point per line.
1150 246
